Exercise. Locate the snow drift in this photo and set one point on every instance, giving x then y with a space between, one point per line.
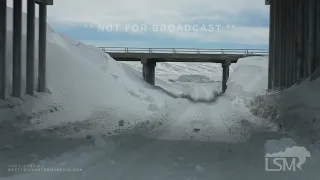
82 81
295 110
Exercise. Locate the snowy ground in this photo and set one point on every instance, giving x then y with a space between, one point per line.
101 118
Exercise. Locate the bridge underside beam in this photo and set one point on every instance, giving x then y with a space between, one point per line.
175 60
164 57
294 42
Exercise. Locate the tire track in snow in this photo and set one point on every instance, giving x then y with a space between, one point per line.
196 122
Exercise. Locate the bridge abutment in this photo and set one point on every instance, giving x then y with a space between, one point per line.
148 71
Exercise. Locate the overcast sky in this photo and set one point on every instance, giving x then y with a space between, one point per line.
163 23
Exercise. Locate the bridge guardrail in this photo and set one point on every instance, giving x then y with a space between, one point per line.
185 50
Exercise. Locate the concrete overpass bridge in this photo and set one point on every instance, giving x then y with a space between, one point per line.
150 56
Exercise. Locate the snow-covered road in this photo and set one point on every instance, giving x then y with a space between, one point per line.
136 157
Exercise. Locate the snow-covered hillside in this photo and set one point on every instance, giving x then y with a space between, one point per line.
102 119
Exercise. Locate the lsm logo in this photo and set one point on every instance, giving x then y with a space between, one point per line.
289 160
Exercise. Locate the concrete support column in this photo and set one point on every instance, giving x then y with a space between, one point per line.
299 42
225 75
30 47
287 46
294 43
318 38
305 60
291 52
42 84
148 71
277 45
17 34
311 37
283 48
3 59
271 44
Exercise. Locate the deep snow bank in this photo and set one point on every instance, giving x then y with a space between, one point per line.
299 109
84 84
296 110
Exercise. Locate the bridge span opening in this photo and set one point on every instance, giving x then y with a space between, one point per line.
150 56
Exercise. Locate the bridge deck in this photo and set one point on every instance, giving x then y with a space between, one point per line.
181 54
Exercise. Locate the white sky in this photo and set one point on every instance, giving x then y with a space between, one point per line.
150 12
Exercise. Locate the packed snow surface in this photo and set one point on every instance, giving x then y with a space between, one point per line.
100 120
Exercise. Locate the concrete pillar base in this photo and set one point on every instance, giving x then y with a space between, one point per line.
148 71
